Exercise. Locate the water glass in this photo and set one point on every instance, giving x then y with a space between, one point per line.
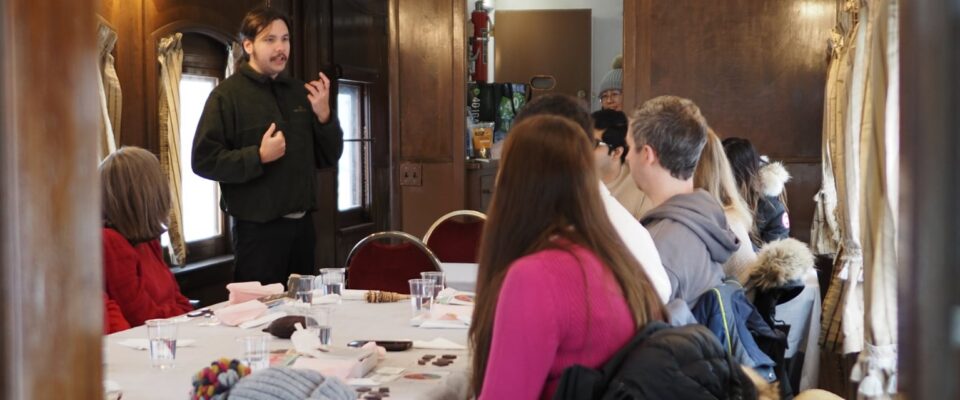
163 342
331 280
421 296
256 351
304 288
439 281
320 320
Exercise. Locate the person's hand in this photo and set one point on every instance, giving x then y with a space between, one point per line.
319 96
273 145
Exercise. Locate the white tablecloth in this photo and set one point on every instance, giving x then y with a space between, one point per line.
353 320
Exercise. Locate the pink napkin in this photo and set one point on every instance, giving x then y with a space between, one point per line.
245 291
240 313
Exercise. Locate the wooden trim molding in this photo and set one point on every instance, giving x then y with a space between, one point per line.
50 255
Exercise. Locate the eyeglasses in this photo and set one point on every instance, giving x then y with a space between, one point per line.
610 94
598 142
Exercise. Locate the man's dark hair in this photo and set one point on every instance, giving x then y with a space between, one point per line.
674 128
259 19
613 123
561 105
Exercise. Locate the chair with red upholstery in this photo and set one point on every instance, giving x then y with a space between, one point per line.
386 260
455 237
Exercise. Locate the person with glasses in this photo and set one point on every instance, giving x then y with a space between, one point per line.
610 152
611 87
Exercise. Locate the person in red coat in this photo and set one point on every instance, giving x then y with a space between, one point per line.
136 205
113 320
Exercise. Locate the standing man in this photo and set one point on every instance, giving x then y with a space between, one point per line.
262 135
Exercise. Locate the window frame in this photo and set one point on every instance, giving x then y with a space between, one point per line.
362 214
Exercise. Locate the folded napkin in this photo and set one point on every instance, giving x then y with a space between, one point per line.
353 294
266 319
240 313
144 344
326 299
455 297
343 363
241 292
438 344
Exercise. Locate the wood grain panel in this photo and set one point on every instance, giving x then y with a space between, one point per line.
800 192
50 256
126 16
424 204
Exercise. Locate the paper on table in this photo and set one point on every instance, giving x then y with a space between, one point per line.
263 320
353 294
438 344
143 344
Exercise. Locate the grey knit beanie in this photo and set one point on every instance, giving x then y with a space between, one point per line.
613 80
282 383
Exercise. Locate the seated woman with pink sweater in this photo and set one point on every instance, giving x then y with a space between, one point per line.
556 286
136 205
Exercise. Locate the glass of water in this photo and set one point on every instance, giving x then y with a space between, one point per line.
332 280
163 342
421 296
320 320
439 281
256 351
304 288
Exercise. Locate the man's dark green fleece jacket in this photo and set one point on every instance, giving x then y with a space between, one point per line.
226 148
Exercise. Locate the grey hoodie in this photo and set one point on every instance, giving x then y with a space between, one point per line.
692 236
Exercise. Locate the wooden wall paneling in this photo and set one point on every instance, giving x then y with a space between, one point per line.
428 76
50 303
756 69
929 348
804 185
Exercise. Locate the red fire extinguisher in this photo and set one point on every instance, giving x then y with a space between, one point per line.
481 36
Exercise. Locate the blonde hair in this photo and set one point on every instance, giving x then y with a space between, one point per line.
715 175
135 194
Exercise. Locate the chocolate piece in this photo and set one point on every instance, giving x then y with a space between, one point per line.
422 362
429 356
384 389
372 396
440 363
448 357
363 389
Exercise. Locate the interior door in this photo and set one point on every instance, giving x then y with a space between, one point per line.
553 43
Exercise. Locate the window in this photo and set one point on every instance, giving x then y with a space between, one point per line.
353 177
202 218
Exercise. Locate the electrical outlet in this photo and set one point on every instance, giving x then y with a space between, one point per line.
410 174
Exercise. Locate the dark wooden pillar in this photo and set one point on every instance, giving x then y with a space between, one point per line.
930 187
50 305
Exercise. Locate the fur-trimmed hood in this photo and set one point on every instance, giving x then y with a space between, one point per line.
773 176
780 262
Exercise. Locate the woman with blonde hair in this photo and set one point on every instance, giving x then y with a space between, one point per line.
135 209
556 286
714 175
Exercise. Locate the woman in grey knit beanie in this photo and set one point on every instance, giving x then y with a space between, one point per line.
282 383
611 87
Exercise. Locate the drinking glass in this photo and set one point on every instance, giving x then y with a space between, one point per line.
163 342
332 280
320 320
256 351
421 296
439 281
304 286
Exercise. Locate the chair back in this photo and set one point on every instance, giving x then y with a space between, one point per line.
455 237
375 265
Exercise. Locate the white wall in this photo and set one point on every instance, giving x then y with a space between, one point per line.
607 40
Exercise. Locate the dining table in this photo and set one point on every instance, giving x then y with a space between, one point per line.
128 370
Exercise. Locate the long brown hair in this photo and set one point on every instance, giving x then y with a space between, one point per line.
715 175
135 195
547 188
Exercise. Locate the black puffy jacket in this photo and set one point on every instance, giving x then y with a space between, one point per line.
662 362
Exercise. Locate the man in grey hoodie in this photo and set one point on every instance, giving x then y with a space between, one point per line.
666 136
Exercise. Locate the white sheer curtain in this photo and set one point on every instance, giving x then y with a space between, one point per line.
234 58
109 91
862 141
170 56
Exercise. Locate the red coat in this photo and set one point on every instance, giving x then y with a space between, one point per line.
139 281
113 320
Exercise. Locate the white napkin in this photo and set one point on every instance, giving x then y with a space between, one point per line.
144 344
353 294
266 319
438 344
327 299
